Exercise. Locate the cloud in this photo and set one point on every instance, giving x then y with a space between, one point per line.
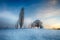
27 21
50 15
9 16
52 3
47 13
51 23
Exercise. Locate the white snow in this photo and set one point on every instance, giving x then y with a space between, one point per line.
29 34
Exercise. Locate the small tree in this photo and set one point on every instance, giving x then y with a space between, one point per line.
37 23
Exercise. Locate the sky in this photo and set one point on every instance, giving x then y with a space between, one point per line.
48 11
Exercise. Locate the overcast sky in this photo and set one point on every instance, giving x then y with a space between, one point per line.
48 11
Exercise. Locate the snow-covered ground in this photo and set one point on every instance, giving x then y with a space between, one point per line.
29 34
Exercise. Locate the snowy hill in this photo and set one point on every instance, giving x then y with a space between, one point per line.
29 34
